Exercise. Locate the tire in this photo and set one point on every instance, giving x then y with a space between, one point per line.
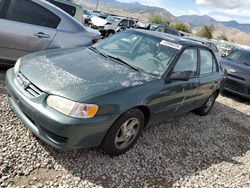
124 133
206 108
110 33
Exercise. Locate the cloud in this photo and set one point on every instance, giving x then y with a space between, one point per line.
224 4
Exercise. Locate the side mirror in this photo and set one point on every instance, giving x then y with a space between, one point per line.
180 76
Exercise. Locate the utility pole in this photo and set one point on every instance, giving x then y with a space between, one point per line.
97 2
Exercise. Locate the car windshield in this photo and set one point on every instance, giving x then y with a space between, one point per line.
86 12
113 20
153 27
147 53
240 56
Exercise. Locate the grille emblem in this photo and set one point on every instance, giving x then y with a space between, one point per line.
25 84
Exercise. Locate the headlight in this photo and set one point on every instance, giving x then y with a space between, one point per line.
71 108
17 65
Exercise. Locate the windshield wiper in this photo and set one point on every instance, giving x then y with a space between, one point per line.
119 60
99 52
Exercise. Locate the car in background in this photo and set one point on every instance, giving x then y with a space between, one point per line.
112 24
28 26
156 27
106 94
72 9
163 29
237 69
207 43
87 17
225 49
100 14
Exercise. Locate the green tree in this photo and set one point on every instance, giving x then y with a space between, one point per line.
182 27
206 31
222 37
159 20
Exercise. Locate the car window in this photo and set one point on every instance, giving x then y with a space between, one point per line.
240 56
29 12
71 10
207 61
131 23
187 62
160 29
124 23
172 32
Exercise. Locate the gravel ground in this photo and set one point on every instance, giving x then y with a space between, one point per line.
188 151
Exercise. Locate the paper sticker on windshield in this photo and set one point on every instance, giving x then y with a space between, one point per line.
171 44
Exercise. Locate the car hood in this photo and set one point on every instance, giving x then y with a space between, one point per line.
235 68
97 21
78 73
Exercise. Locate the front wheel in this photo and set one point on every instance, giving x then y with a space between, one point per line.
124 133
205 108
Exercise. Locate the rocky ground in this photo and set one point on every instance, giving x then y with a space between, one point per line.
188 151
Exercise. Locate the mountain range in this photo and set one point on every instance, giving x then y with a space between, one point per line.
196 21
235 31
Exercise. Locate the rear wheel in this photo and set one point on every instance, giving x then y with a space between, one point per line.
205 109
124 133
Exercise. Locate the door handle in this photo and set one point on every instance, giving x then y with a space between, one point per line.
42 35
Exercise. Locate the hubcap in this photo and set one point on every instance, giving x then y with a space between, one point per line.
127 133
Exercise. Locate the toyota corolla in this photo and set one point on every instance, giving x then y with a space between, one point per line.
106 94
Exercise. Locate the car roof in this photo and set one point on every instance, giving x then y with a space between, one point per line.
176 39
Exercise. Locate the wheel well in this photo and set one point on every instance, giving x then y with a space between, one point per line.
111 31
146 113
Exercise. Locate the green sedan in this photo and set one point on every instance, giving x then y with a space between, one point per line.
106 94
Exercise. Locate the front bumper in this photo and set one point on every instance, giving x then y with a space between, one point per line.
238 86
52 127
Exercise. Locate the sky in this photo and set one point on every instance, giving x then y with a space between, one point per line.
221 10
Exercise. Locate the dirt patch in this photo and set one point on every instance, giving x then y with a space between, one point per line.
35 177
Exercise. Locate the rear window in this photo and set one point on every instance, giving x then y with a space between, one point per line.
29 12
71 10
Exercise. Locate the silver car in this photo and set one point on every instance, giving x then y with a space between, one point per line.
28 26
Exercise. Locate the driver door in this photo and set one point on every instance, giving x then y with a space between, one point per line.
178 96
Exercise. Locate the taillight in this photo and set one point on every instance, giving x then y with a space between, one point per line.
96 39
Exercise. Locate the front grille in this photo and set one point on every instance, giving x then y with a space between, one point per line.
234 85
237 77
26 86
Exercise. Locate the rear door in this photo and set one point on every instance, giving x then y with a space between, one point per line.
25 27
209 75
